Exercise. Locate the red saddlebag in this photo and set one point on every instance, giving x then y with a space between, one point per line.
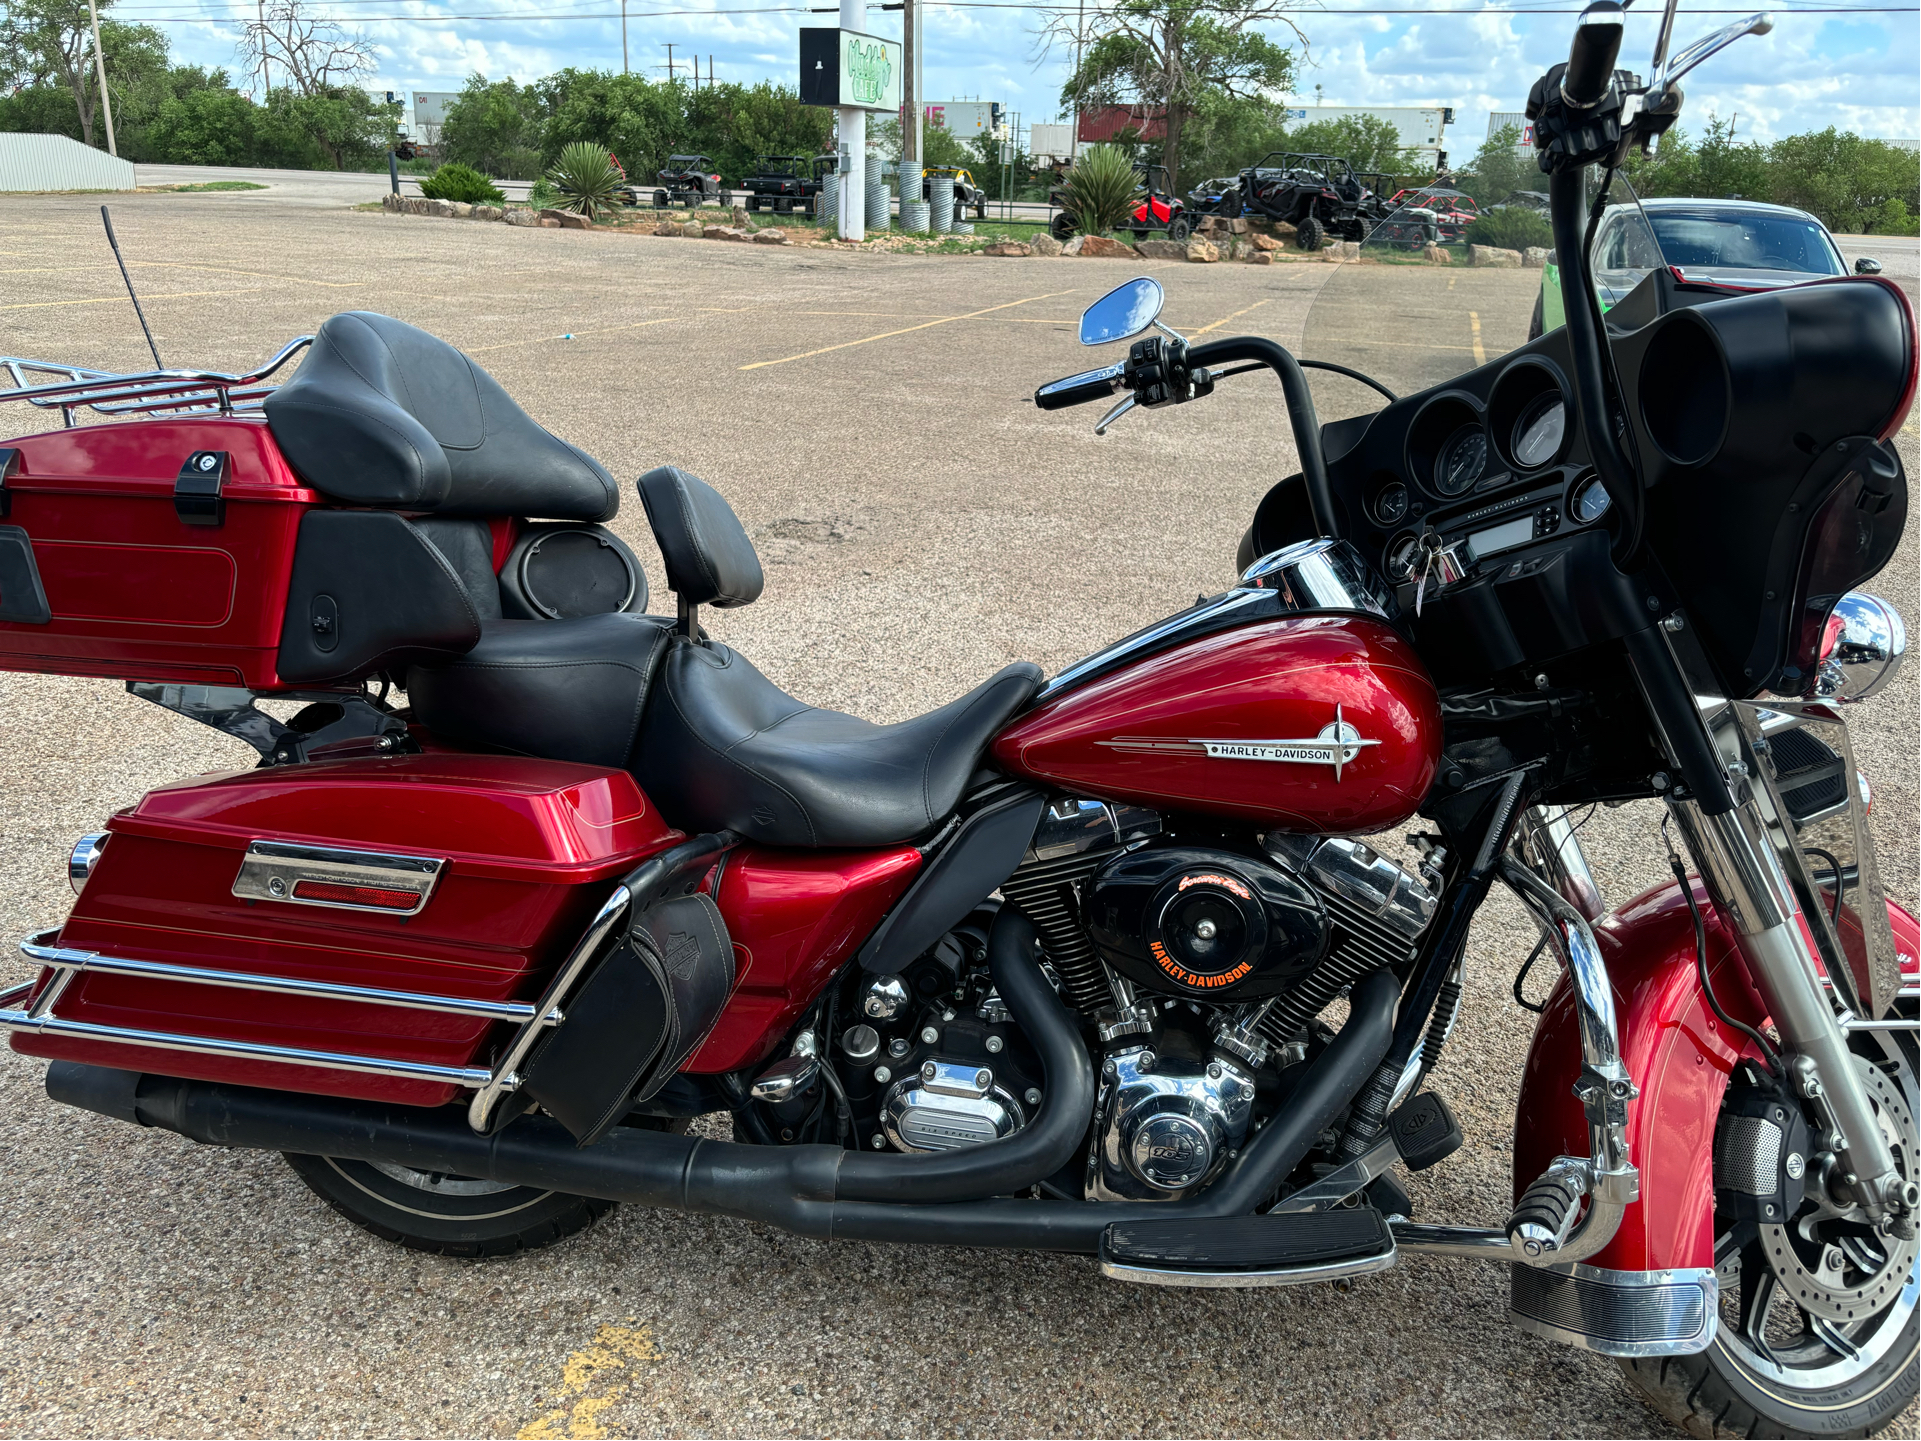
450 886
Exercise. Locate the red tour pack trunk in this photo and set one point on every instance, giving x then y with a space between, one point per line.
324 876
163 550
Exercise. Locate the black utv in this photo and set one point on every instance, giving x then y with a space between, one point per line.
1319 195
784 183
689 180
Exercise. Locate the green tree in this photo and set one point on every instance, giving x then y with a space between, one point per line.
50 42
342 128
1228 133
1366 142
1170 54
495 128
1726 166
205 126
1499 168
640 121
1844 179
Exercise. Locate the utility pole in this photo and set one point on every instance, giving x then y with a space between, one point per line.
100 75
623 37
263 52
916 105
670 61
1080 40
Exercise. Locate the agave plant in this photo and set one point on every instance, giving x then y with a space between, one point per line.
586 178
1103 188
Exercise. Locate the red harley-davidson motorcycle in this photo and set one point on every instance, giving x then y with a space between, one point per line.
1050 967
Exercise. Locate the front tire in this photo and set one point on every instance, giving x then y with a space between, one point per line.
1776 1369
1310 234
445 1215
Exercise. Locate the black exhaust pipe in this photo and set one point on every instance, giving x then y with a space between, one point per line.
796 1188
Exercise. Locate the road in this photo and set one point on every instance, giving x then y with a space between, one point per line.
922 525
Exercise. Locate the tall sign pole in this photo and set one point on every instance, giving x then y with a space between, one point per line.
100 74
915 104
623 37
853 143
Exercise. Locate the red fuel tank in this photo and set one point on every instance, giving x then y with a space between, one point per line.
1320 723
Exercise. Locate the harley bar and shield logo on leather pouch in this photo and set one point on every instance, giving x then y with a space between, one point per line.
1337 745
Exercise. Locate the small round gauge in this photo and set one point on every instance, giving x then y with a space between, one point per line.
1402 556
1539 432
1590 501
1462 459
1390 506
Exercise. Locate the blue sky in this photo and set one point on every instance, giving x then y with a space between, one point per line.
1861 72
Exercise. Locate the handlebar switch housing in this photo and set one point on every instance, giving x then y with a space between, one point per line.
1569 138
1159 374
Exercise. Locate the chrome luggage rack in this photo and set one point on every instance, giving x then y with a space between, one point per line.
147 392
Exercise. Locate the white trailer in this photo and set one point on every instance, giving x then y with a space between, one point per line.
1422 128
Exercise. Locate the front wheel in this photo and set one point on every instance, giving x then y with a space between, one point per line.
1179 228
1062 226
1310 234
445 1214
1819 1326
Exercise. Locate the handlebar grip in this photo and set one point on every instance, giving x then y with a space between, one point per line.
1591 56
1079 389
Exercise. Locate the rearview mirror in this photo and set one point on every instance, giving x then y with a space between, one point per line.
1123 312
1867 265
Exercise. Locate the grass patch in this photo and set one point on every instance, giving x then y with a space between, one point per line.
202 186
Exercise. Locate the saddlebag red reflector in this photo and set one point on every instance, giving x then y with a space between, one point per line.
338 895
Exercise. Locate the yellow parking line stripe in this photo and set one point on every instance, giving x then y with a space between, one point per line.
250 274
1474 325
1235 316
906 330
122 300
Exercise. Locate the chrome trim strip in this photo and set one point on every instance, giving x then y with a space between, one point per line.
506 1075
1144 641
1618 1313
1472 1243
1215 1280
46 1025
70 962
273 871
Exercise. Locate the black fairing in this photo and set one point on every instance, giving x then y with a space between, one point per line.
1145 909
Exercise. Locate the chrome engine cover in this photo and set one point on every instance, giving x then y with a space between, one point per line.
1165 1132
946 1105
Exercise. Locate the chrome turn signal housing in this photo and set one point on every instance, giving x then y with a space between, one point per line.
84 856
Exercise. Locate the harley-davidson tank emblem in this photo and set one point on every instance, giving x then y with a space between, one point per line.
1337 745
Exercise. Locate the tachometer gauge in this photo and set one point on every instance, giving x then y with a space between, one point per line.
1539 432
1462 459
1390 506
1590 500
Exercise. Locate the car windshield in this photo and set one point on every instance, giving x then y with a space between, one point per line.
1743 240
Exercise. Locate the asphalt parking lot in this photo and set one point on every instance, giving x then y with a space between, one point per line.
923 525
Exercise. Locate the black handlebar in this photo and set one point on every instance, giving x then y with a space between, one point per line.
1591 57
1079 389
1300 413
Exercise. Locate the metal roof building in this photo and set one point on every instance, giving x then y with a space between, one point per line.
58 162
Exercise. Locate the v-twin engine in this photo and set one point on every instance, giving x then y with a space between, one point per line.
1200 966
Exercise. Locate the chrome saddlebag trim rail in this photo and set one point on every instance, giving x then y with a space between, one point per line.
1618 1313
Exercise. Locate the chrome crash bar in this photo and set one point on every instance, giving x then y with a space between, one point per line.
147 392
1562 1233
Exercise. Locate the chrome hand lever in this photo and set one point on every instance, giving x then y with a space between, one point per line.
1113 415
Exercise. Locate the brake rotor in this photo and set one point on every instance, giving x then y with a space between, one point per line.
1838 1270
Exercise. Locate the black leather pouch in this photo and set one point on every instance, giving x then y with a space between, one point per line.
634 1022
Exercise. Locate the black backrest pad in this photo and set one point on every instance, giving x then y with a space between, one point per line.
369 592
710 560
383 414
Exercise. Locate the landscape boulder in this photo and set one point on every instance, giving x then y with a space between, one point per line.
1203 252
1435 255
1102 247
772 235
692 229
1341 250
486 212
740 218
523 217
1007 247
1044 245
1155 248
1494 257
557 216
462 210
723 232
1238 225
1264 242
547 222
1260 257
1536 256
1283 229
1074 244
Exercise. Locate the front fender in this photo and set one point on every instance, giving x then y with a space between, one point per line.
1679 1055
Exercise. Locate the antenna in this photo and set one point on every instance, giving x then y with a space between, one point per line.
107 220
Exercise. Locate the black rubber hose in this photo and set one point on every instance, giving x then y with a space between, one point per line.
791 1187
1038 1149
1300 412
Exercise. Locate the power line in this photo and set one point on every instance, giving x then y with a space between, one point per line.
540 17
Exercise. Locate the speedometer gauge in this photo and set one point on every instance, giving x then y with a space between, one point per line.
1539 432
1462 459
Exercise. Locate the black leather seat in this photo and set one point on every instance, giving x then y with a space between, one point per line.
383 414
724 747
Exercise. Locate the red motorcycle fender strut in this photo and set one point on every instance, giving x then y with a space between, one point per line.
1680 1056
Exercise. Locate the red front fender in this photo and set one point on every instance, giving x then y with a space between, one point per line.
1678 1054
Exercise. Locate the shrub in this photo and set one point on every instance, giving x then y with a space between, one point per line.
1512 228
1103 188
587 179
454 181
541 195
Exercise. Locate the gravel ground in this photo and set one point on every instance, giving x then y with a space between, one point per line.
922 526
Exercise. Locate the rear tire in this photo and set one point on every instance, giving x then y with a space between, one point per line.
1063 226
445 1215
1310 234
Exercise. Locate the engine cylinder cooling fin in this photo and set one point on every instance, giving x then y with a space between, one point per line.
1047 891
1359 945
